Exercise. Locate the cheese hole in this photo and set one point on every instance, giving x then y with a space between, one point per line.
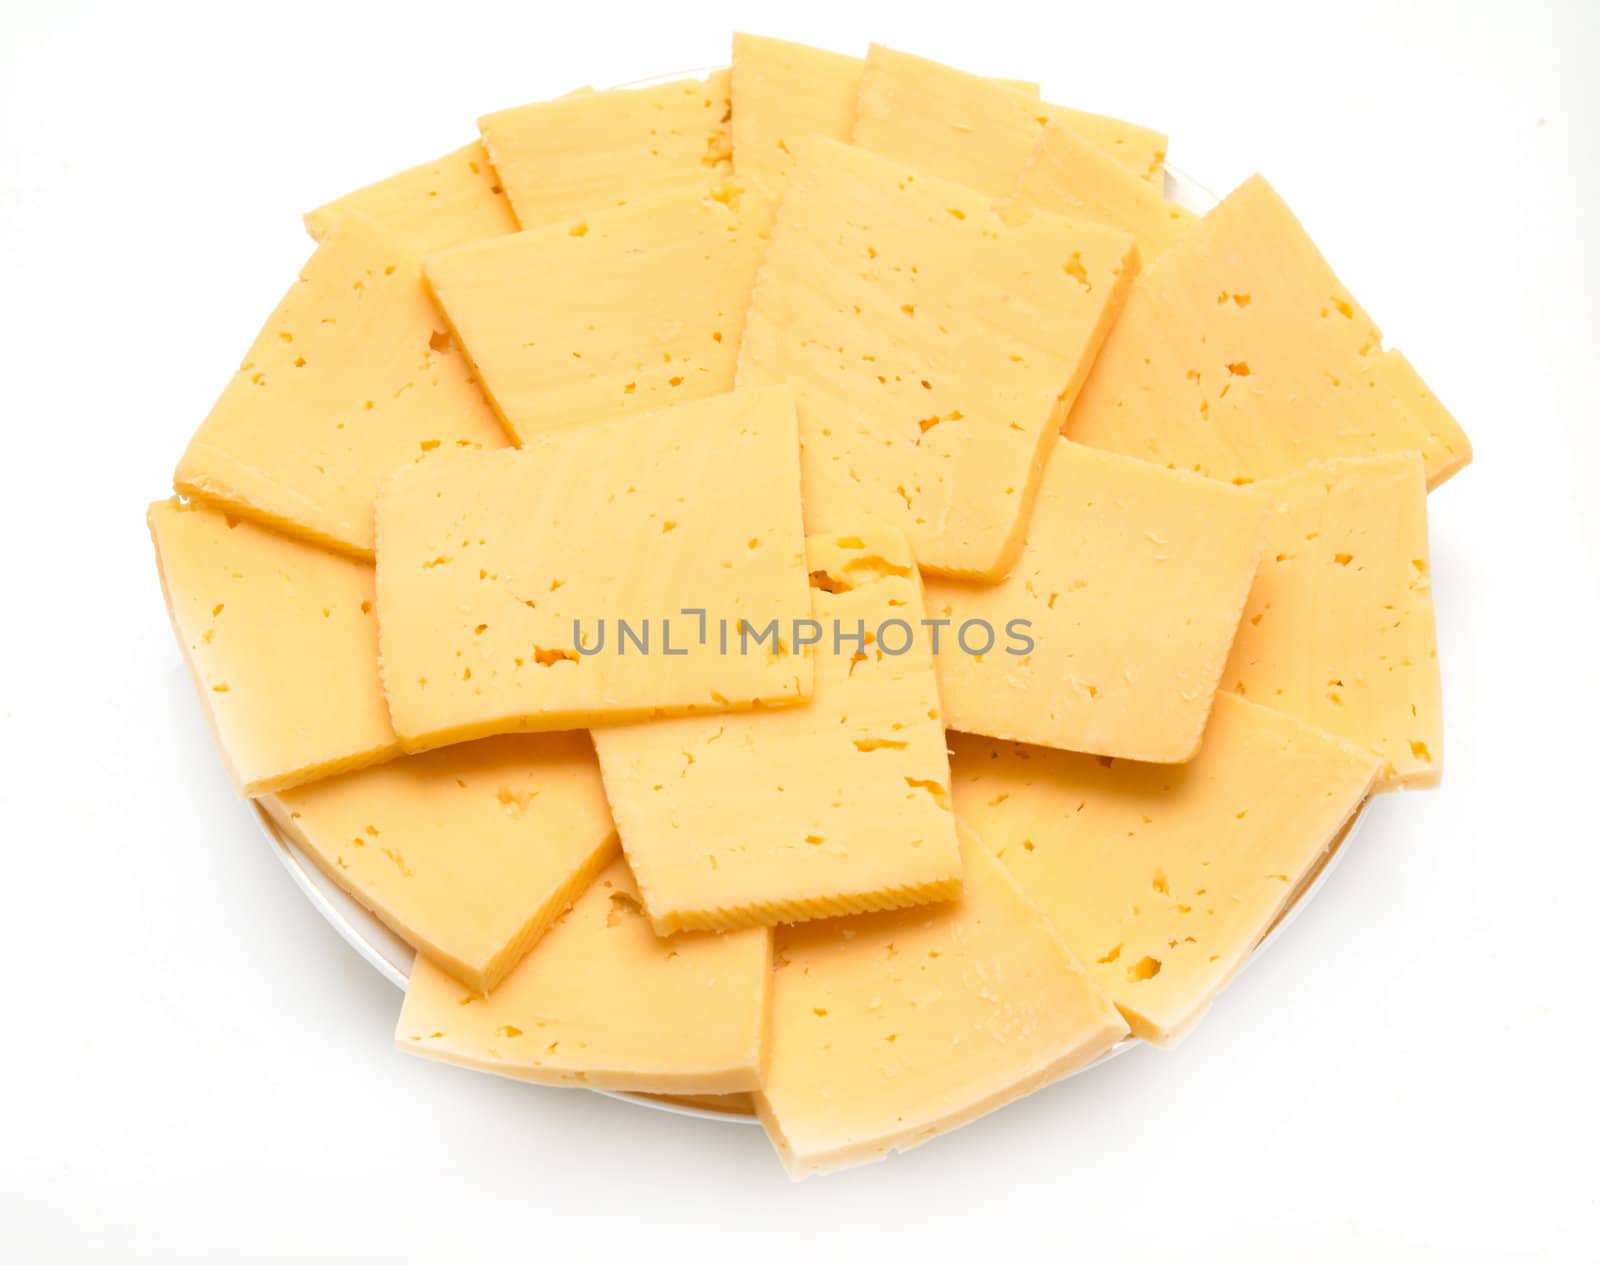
1145 968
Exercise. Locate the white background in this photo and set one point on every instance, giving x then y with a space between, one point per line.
193 1066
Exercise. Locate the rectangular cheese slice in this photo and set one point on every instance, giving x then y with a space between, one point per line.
577 154
841 806
596 576
605 1003
1161 880
282 643
891 1028
1073 177
623 312
469 853
1240 355
1339 626
354 374
933 349
975 131
453 199
1110 634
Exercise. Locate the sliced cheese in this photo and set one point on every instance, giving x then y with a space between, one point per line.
933 349
974 131
1110 634
841 806
1339 626
623 312
603 1002
891 1028
282 643
1240 355
565 158
469 853
505 579
1161 880
453 199
354 374
1071 176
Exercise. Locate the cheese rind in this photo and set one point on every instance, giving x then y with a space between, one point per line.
1132 583
891 1028
495 570
840 806
353 375
604 1003
1339 628
579 154
1162 879
620 313
1240 355
455 198
469 853
282 644
933 349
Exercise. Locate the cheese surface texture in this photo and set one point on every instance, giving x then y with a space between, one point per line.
1240 355
468 853
891 1028
604 1002
1162 879
1133 580
453 199
1339 628
495 569
353 375
840 806
623 312
576 154
933 349
282 643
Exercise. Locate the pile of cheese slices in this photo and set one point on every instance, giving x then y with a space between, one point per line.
815 588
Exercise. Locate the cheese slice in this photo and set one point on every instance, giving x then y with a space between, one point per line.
508 583
1239 355
453 199
891 1028
577 154
1110 634
468 854
282 644
605 1003
354 374
1339 626
623 312
974 131
933 349
1071 176
1161 880
840 806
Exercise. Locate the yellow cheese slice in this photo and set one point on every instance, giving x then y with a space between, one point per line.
1071 176
1239 355
468 853
508 582
626 311
1110 634
605 1003
933 349
1339 626
577 154
841 806
1163 879
891 1028
282 643
453 199
354 374
972 130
